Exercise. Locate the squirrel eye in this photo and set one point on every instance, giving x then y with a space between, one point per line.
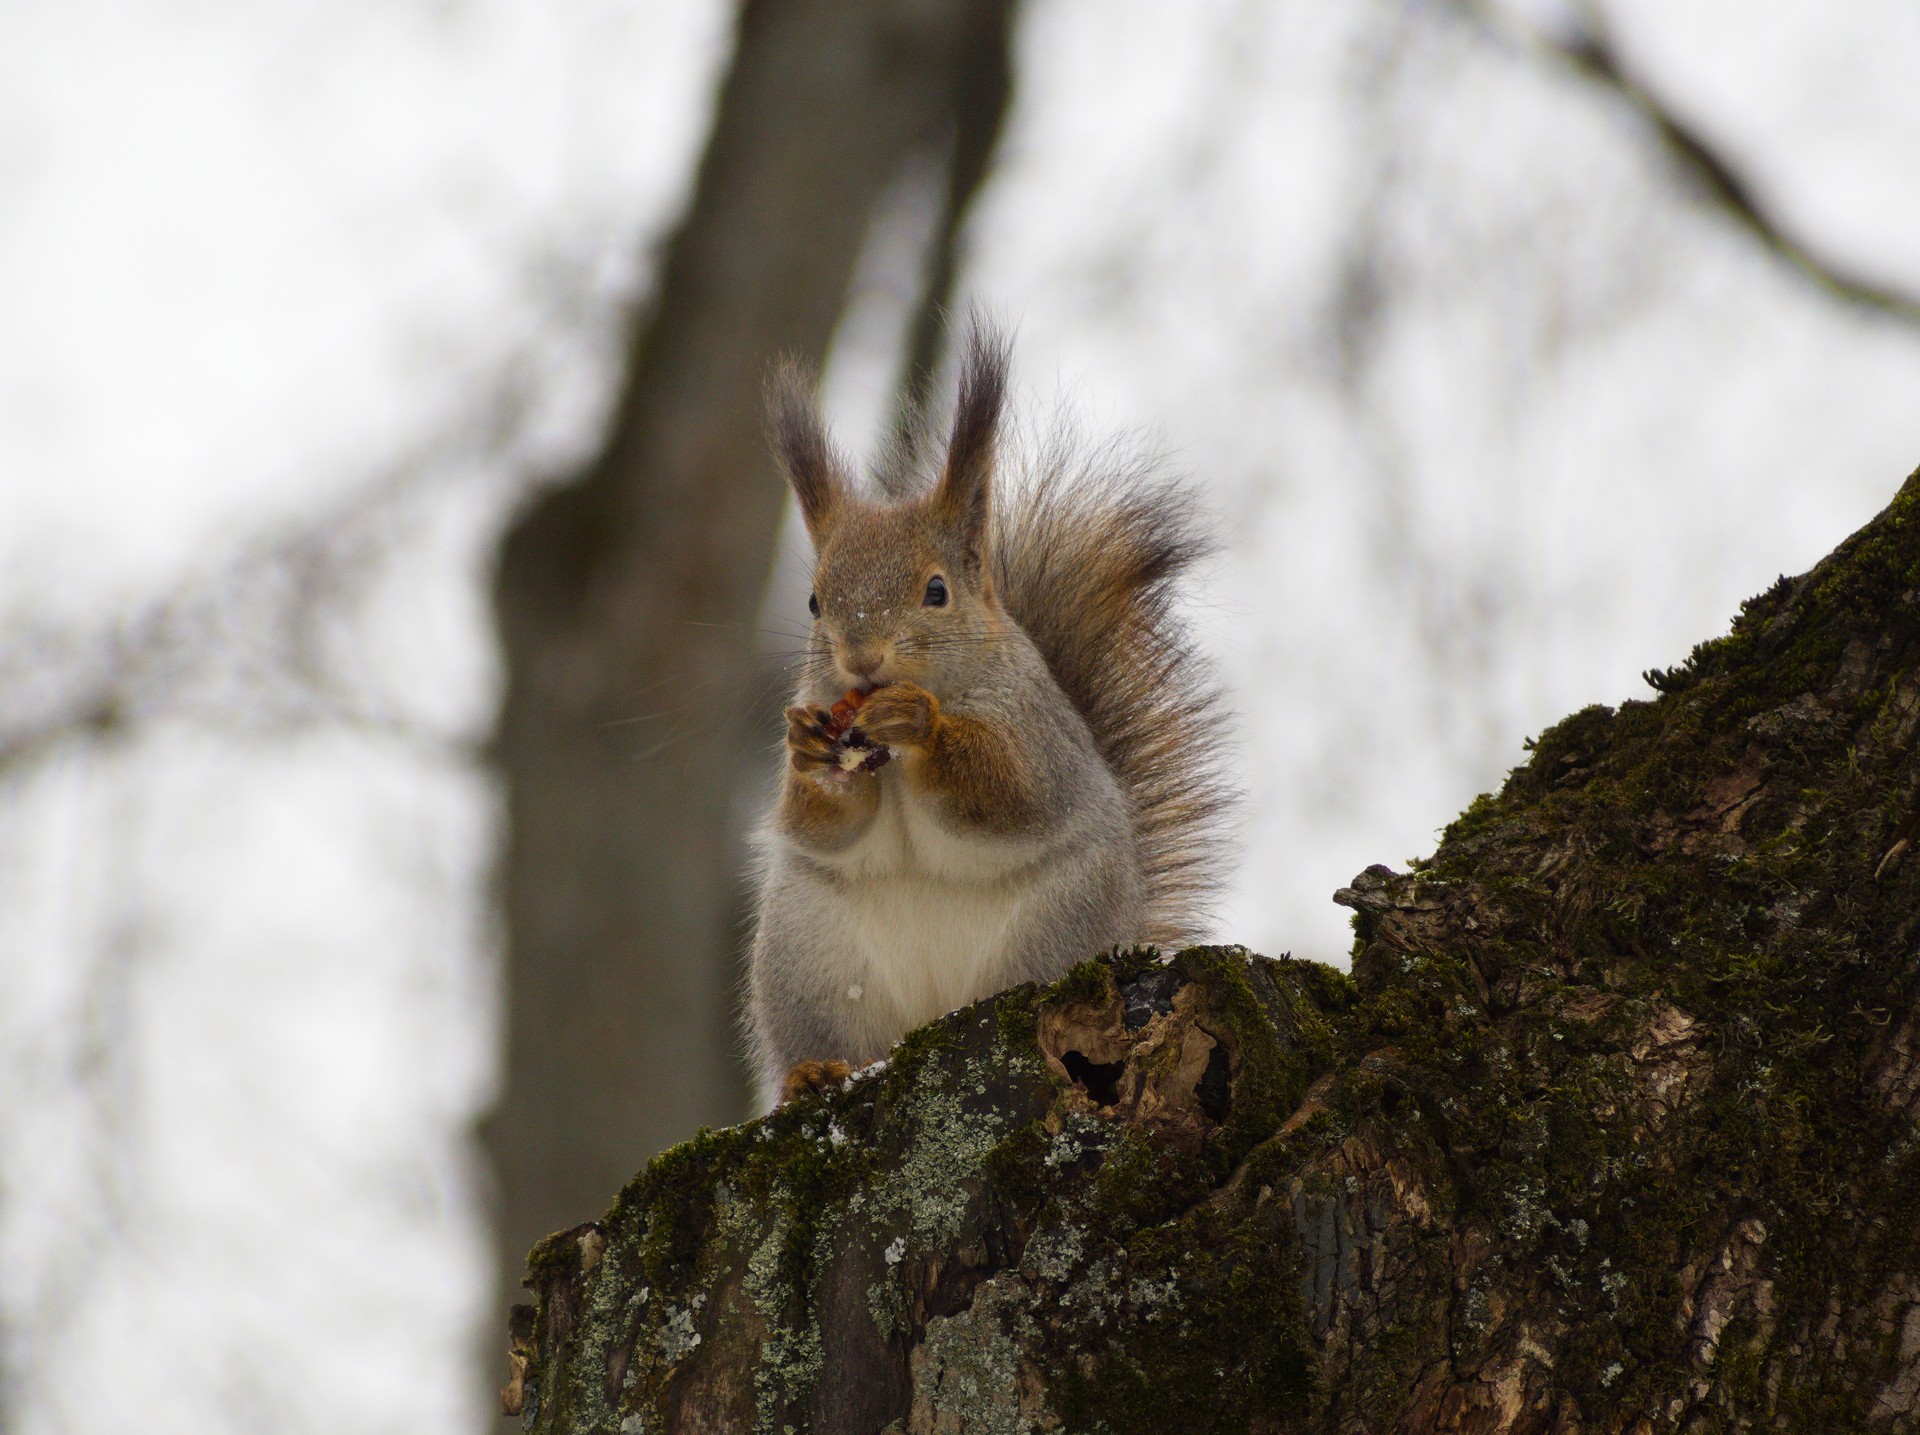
813 604
936 592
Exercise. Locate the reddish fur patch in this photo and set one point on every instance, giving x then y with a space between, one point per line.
811 1076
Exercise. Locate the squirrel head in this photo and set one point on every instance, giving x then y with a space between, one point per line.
902 589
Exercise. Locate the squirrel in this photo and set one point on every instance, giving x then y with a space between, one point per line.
1026 769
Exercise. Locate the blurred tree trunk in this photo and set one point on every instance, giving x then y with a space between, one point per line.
1615 1127
627 598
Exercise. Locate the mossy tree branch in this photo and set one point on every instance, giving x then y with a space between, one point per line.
1615 1126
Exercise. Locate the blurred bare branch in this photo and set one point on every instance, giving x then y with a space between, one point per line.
982 91
251 642
1589 51
262 641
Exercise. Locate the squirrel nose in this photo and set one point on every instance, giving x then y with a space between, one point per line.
863 662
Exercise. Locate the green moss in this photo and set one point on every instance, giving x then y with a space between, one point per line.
1202 1332
1089 982
1018 1168
557 1257
670 1201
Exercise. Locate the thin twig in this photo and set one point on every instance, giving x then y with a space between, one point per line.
1592 54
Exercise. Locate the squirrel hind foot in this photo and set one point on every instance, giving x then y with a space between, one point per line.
813 1076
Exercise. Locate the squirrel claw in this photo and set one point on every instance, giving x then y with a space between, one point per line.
809 745
811 1076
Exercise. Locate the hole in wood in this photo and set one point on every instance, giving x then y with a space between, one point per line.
1214 1090
1100 1078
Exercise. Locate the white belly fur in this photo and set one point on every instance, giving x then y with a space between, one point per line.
921 949
928 913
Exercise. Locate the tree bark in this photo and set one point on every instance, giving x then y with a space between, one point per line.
627 599
1614 1127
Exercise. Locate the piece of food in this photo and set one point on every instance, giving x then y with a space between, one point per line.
853 749
859 753
841 715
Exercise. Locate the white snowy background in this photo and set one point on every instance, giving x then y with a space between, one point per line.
297 300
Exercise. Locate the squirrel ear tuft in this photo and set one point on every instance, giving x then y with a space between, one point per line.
801 443
962 500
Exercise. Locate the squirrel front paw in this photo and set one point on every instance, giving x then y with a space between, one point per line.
810 1076
811 743
899 715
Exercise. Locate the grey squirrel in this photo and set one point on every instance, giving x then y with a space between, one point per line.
1027 766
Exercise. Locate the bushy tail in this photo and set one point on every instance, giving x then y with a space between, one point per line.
1089 550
